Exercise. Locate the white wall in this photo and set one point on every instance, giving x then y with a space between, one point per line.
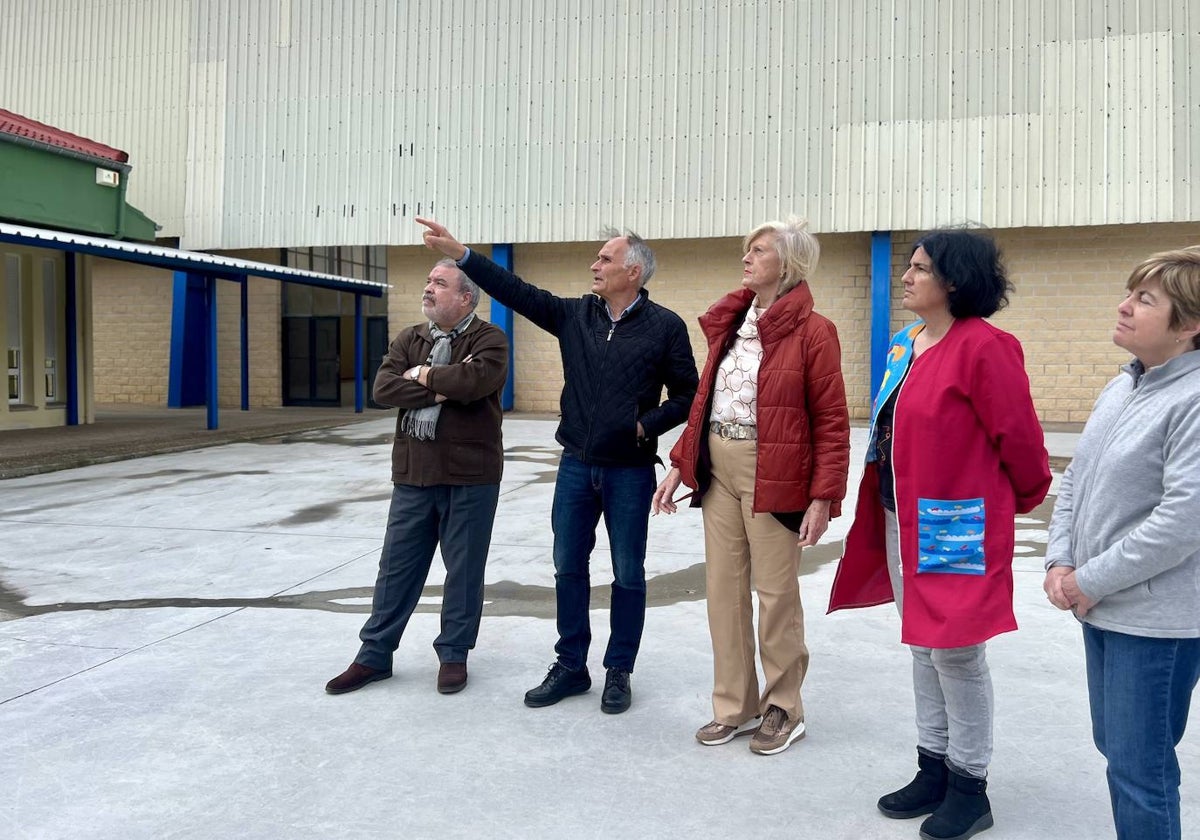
264 123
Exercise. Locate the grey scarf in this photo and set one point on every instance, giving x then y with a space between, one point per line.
421 423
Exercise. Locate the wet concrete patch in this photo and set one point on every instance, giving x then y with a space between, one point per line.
328 511
505 598
329 438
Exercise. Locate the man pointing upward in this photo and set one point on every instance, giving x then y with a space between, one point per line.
619 351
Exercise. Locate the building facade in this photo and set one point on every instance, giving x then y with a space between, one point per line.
266 126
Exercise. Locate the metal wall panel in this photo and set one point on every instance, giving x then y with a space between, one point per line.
257 123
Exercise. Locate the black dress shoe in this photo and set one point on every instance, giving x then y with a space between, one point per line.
354 678
559 683
617 694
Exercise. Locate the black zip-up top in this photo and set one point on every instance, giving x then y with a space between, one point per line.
614 372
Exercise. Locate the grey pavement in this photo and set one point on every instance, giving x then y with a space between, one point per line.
131 431
167 624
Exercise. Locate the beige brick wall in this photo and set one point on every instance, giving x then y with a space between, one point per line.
691 276
263 313
131 307
842 288
1068 284
132 313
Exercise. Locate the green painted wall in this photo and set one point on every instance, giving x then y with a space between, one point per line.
47 189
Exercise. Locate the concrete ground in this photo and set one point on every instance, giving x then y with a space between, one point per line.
167 625
132 431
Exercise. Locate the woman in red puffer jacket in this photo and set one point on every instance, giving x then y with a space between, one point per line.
766 451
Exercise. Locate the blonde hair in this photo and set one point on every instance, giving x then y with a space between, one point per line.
1179 274
798 250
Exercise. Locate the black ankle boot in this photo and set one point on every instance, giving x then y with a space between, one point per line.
963 813
923 794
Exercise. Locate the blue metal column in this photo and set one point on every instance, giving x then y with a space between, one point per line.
245 337
210 373
178 367
502 316
189 342
358 354
881 304
71 307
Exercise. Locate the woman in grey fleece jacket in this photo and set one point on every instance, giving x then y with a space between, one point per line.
1124 549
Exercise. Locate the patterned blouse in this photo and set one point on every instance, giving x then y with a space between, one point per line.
735 392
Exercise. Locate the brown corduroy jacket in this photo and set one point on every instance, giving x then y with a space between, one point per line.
467 447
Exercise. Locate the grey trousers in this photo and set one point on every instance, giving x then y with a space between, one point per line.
953 688
460 519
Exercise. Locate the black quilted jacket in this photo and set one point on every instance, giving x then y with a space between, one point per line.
613 373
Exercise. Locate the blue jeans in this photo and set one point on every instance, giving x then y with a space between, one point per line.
459 519
1140 689
581 494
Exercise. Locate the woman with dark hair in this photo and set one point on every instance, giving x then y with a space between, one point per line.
956 451
1124 550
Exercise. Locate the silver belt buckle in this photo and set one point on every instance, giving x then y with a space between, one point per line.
733 431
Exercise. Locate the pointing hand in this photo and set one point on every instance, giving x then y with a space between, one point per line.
437 238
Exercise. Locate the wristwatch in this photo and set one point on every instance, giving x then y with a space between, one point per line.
415 374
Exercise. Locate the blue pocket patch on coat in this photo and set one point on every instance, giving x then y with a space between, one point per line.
950 536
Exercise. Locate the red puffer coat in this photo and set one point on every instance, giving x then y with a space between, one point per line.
803 424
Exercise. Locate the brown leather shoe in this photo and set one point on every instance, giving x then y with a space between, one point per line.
452 677
354 678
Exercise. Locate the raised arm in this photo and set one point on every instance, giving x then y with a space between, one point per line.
544 309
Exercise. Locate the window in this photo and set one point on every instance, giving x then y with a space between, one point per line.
361 263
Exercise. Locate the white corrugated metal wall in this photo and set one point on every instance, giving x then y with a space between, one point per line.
309 122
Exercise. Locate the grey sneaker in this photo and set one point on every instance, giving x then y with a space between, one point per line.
777 733
714 734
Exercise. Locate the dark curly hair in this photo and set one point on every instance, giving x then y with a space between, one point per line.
969 264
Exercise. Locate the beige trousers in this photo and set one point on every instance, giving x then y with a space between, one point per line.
743 549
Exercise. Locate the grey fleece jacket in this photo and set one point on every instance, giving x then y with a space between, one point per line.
1128 510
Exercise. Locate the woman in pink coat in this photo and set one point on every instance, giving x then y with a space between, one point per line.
956 451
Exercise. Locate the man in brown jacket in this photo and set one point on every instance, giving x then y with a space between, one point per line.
445 376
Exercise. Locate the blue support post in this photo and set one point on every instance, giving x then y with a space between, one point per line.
189 341
502 316
358 354
71 306
881 304
245 338
178 364
210 373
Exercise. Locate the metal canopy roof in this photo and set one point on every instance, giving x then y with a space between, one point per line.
178 260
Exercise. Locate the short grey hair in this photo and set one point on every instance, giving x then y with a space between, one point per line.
798 249
638 252
465 284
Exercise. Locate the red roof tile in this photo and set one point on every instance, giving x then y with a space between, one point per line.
15 124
